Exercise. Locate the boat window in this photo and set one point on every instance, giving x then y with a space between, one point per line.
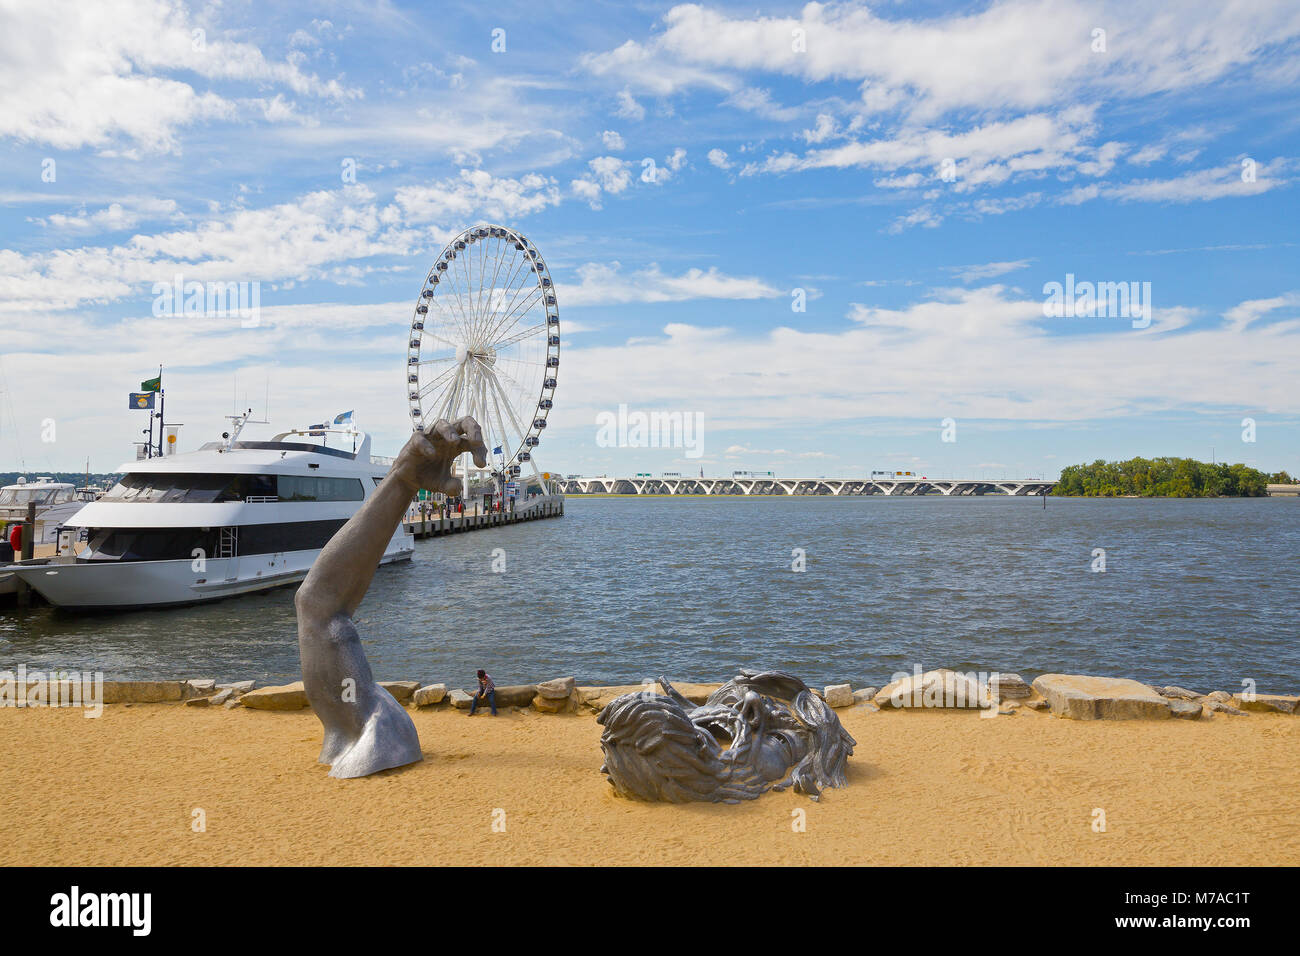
242 487
179 544
317 488
150 544
42 496
287 536
206 489
171 488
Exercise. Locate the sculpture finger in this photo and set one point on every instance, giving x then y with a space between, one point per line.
444 432
472 441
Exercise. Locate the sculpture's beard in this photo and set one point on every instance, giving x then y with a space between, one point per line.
757 732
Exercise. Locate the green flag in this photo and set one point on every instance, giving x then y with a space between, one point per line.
152 385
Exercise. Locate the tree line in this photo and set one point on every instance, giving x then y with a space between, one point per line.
1165 477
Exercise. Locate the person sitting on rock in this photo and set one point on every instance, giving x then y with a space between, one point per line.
487 690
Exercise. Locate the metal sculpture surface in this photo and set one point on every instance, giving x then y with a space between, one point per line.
366 729
757 732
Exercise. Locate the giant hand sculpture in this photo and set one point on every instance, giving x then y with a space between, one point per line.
366 729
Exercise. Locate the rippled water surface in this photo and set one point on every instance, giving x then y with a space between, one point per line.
1198 592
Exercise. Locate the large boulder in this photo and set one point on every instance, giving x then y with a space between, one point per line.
838 695
286 697
142 691
459 699
557 705
238 687
937 688
515 695
429 695
1173 691
1077 697
205 687
865 695
1268 703
402 690
1186 709
558 689
1008 687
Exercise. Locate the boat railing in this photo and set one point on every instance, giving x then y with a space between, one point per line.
261 499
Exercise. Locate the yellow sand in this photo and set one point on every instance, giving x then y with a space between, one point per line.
924 788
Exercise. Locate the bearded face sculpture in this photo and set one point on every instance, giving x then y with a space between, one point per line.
757 732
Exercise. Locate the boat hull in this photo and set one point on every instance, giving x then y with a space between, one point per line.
121 586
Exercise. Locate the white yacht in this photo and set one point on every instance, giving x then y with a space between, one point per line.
231 518
45 493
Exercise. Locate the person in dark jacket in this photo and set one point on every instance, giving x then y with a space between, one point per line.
487 690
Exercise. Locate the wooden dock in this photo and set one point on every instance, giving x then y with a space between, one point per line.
431 527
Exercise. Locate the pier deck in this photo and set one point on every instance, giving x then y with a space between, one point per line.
430 527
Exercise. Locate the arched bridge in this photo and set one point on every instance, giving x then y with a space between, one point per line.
644 485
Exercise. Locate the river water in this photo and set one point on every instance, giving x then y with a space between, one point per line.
1203 593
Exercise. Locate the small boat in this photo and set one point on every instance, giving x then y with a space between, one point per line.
45 493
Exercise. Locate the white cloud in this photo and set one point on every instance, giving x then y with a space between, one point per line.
985 351
760 102
329 235
473 193
587 191
612 140
74 74
628 107
1020 54
1200 185
823 131
608 284
718 158
115 217
989 270
607 173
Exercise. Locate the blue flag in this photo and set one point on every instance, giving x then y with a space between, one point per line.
497 450
312 430
343 418
141 399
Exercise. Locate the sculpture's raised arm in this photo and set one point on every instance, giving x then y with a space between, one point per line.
366 730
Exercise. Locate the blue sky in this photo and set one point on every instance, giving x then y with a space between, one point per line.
921 171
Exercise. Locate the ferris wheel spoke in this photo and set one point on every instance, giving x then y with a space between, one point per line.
496 272
424 391
519 336
510 288
510 319
449 400
482 271
448 310
524 284
513 381
471 311
505 398
454 281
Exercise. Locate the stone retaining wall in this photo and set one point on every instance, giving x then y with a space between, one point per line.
1068 696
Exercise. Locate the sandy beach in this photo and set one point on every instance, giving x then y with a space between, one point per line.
928 787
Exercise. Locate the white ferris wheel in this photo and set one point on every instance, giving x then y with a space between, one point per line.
485 341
